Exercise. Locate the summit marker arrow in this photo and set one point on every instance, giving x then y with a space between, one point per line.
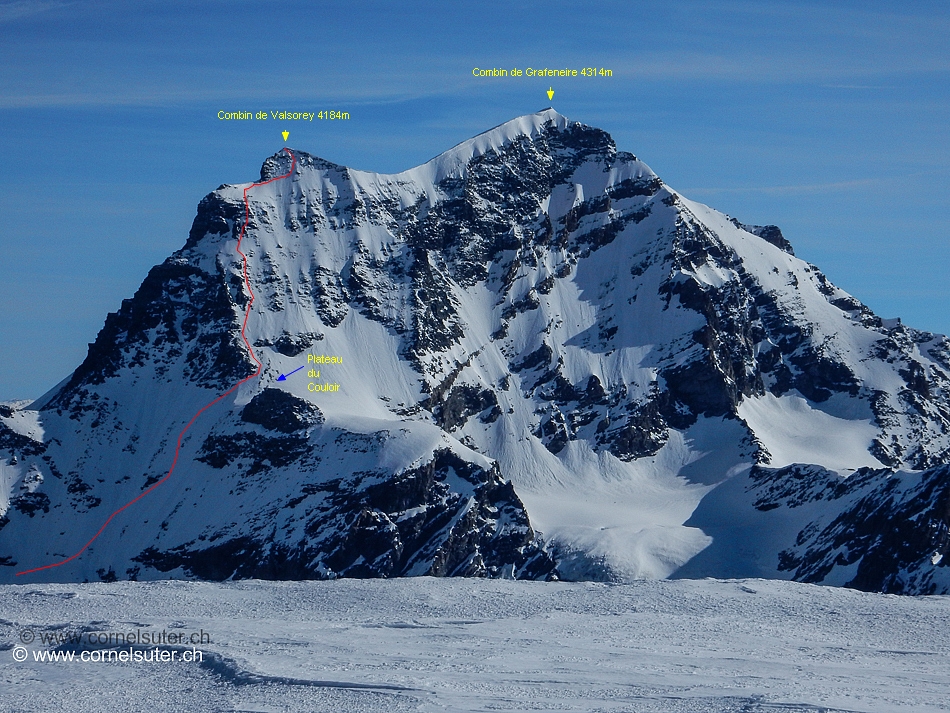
550 93
285 134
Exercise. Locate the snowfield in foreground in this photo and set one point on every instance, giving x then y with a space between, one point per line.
482 645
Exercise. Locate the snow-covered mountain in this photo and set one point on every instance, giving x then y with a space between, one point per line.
528 357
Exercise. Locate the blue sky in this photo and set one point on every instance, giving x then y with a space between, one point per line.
829 119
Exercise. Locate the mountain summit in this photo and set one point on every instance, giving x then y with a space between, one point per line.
528 357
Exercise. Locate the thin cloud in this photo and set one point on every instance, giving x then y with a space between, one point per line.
792 66
789 190
858 86
202 97
10 11
353 88
806 188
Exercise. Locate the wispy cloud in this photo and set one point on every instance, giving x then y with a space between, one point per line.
789 190
870 87
788 66
807 188
85 74
229 99
10 11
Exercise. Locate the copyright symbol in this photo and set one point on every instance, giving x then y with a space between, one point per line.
19 653
27 636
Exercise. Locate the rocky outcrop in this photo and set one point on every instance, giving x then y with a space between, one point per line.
877 530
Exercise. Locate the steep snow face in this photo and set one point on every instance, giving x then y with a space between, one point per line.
531 306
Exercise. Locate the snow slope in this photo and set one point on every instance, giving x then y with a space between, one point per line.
425 644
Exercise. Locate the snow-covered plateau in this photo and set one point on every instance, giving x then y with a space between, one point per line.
528 358
460 644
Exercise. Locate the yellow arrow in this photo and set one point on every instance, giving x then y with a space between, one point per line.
285 134
550 93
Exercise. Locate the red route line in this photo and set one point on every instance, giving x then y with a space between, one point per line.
247 218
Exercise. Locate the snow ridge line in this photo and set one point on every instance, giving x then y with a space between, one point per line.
247 314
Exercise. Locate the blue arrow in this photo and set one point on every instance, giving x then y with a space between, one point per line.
283 377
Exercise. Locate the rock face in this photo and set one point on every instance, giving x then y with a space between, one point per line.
413 523
528 357
885 533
